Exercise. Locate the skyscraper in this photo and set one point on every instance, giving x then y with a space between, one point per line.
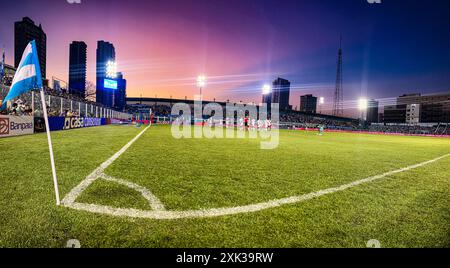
120 94
24 32
372 111
308 104
77 68
105 53
280 93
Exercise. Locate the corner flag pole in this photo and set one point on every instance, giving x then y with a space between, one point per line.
27 78
50 147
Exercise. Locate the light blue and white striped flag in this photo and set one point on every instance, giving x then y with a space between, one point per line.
28 74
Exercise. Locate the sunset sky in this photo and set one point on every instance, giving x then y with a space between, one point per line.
161 46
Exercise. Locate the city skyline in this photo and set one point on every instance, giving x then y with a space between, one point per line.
164 46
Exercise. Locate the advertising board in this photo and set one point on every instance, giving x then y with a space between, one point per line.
16 125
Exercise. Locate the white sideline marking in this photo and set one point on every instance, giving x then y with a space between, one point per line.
160 213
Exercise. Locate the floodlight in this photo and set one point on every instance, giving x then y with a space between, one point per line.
111 69
363 104
266 89
201 81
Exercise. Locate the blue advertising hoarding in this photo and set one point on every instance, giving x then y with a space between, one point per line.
63 123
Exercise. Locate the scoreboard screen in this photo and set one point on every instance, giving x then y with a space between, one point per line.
111 84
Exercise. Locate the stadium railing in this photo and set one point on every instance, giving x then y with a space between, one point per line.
59 106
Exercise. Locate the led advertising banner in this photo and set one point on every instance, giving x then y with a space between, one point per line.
64 123
111 84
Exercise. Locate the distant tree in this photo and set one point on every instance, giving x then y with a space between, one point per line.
90 91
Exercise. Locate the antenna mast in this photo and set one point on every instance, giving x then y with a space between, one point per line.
338 105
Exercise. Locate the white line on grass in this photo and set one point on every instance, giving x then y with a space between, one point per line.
154 202
75 192
159 211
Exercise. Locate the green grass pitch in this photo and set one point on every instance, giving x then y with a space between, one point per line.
408 209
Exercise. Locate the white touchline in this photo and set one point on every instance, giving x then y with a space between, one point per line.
159 212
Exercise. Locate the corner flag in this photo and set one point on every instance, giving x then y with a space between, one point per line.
28 77
28 74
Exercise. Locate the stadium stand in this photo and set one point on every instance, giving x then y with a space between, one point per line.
60 104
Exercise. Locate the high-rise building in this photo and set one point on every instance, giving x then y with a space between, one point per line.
372 111
26 31
418 108
120 94
433 108
395 114
412 113
105 53
77 68
308 104
280 93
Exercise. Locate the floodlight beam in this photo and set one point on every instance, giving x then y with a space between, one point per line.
363 104
266 89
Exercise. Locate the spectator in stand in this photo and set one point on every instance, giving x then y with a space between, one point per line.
64 114
28 111
14 109
38 113
52 112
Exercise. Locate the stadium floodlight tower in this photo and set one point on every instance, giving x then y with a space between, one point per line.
362 105
321 103
266 89
111 69
201 83
266 92
267 96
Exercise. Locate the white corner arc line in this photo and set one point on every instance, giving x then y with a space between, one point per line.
153 201
75 192
160 213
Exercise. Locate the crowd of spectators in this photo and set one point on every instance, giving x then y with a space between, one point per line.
22 106
157 110
63 93
18 108
298 120
440 129
161 110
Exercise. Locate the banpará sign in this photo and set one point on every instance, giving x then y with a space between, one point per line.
16 125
